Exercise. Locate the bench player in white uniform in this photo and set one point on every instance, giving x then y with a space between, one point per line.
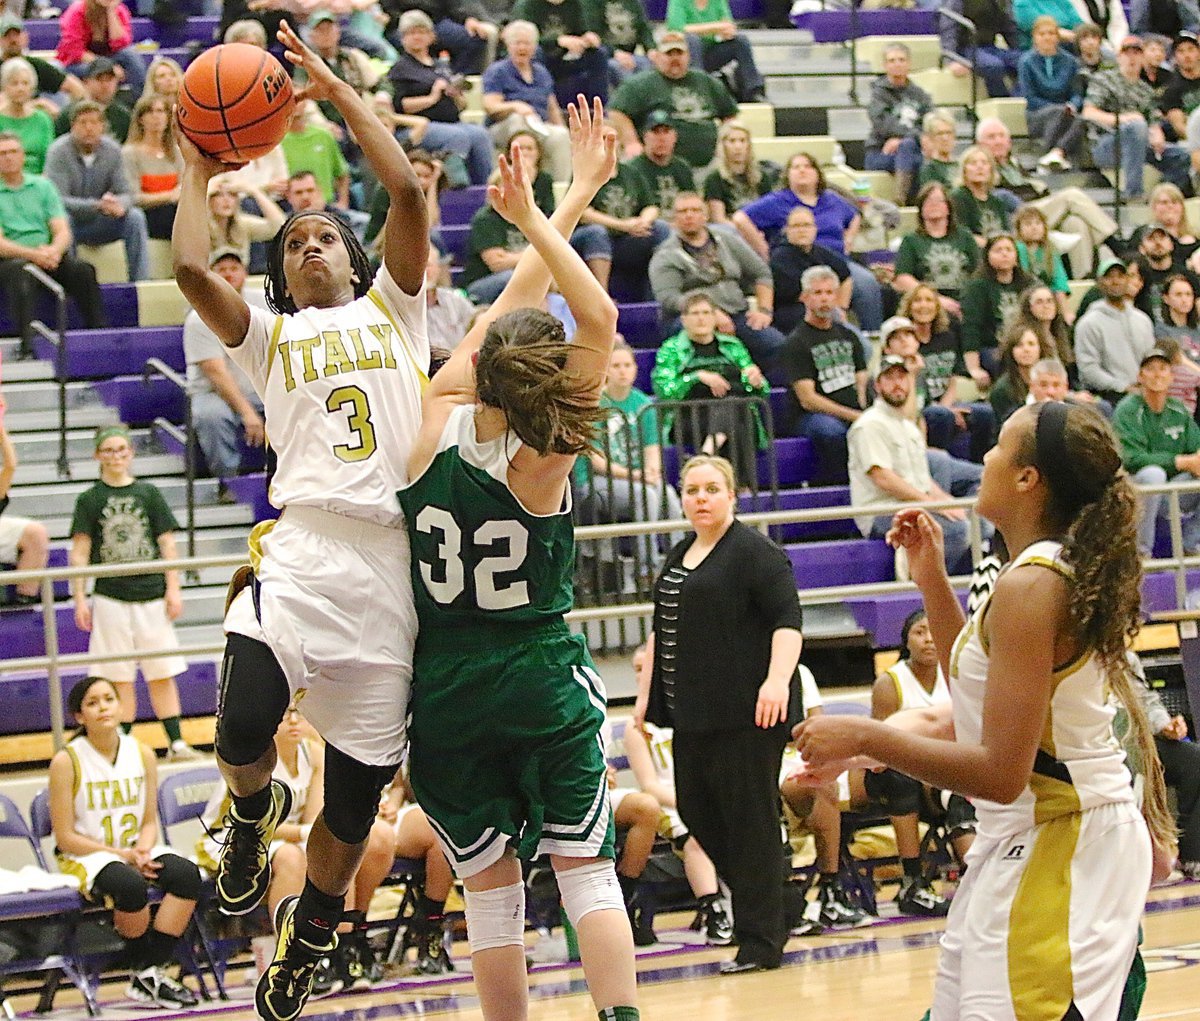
103 811
916 681
1044 926
328 619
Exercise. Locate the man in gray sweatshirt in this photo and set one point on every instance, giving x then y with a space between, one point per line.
720 263
896 109
1111 337
86 167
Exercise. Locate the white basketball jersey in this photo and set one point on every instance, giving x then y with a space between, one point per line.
218 805
110 797
341 388
1079 763
911 692
662 753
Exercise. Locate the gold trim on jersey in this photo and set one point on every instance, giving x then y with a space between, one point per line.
1039 950
76 771
378 302
964 636
273 347
899 687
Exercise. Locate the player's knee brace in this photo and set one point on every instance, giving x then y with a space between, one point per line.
496 918
122 884
897 793
178 877
252 699
352 790
588 888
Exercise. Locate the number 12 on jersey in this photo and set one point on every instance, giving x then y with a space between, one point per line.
497 547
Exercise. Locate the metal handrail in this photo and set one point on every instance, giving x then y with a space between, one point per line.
156 367
59 341
958 58
53 661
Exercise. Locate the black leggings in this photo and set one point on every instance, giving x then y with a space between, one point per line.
121 883
253 698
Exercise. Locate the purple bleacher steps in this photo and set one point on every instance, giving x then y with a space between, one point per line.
139 402
637 322
44 33
62 587
834 26
841 562
100 354
251 489
120 302
805 499
458 205
27 695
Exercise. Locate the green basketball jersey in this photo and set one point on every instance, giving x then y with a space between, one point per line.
477 555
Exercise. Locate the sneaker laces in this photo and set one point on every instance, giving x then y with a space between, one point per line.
232 835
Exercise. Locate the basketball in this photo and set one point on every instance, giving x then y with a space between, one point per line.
235 102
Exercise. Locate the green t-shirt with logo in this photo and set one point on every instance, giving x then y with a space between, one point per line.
124 524
944 263
981 218
628 434
665 182
625 195
489 230
695 102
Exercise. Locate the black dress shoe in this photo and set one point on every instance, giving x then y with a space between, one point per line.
736 967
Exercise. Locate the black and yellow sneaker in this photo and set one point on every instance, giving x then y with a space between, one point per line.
286 984
432 958
244 871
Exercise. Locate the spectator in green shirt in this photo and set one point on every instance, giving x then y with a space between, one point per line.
696 102
623 27
20 115
937 138
571 46
717 45
977 204
665 173
308 147
627 210
1160 441
989 301
52 81
34 229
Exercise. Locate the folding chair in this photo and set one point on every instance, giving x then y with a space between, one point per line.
62 907
182 797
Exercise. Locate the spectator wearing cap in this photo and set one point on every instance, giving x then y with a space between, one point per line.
1182 97
794 253
696 102
1121 100
91 28
100 84
53 84
1157 260
518 93
1160 442
897 109
464 30
87 168
726 268
889 464
666 174
623 28
225 409
420 85
351 65
1165 17
823 366
571 46
1112 337
716 45
996 65
34 228
20 115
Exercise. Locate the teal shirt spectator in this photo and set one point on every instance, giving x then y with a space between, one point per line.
1027 11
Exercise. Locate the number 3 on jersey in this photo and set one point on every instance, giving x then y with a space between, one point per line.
353 398
453 564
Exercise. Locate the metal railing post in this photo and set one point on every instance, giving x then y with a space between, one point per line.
60 356
1175 520
157 367
854 51
54 679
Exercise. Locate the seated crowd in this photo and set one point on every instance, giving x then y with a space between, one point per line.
759 274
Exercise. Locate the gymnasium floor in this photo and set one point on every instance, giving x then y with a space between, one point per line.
882 972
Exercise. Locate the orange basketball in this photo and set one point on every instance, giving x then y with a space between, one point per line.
235 102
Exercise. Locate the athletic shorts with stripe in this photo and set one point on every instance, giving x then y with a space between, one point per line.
1045 923
506 748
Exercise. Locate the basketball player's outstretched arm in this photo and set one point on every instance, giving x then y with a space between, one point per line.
593 151
406 231
222 309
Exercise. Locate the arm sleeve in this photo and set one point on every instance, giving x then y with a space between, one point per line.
1089 345
773 588
666 281
949 30
906 258
752 266
975 313
82 517
162 519
670 382
119 42
72 40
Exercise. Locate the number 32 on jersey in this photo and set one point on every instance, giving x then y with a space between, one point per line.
497 547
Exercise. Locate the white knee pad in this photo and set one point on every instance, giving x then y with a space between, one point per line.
496 918
590 888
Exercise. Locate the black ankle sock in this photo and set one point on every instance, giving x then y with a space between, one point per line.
427 907
160 947
709 899
318 915
628 886
138 951
253 806
829 879
912 867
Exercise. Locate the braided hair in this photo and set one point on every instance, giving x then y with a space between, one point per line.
279 300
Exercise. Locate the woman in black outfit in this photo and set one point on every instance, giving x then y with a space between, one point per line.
724 650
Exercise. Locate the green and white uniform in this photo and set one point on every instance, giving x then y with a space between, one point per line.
507 706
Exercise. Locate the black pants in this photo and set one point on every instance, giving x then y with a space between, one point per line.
727 787
1181 768
78 279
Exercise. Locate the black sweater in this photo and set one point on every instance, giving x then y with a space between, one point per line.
729 608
